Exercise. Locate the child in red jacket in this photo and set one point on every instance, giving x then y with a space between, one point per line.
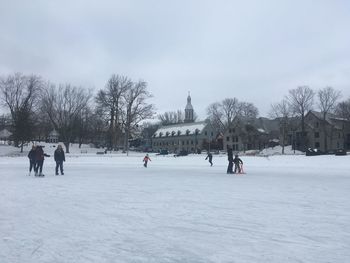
145 160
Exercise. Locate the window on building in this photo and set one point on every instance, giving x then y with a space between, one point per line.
229 130
317 145
192 142
228 139
233 130
317 124
317 135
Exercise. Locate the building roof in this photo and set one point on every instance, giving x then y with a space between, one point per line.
182 127
262 125
331 119
54 133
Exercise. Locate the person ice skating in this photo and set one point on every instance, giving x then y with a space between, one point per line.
238 162
230 161
210 157
145 160
59 159
39 160
31 156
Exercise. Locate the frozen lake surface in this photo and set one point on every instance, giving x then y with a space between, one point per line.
110 208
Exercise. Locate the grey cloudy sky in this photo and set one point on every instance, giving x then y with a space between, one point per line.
254 50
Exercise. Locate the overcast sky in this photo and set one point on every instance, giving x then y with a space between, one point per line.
255 50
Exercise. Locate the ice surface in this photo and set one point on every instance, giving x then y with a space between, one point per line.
110 208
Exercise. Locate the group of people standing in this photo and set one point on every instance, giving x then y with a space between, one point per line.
236 161
36 159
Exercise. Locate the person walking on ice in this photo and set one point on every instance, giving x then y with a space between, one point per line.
210 157
39 160
59 159
145 160
238 164
31 156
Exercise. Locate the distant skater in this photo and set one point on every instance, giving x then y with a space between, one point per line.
238 162
145 160
39 160
31 156
230 161
210 157
59 159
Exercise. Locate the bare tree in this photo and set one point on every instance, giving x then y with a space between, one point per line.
301 101
327 99
63 106
221 114
282 111
19 94
216 116
110 100
171 117
136 108
343 109
247 110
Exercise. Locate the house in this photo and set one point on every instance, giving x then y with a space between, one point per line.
189 136
251 134
53 137
326 134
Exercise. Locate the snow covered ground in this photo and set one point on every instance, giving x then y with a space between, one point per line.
109 208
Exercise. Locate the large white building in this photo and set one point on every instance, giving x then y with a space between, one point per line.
189 136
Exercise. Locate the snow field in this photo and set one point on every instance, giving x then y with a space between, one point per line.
111 209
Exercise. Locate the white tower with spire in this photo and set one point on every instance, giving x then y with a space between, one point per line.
189 110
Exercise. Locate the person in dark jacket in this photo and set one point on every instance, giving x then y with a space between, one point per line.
39 160
237 161
31 156
230 160
59 159
210 157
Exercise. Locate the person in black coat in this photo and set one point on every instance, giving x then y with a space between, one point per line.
59 159
237 161
210 157
230 160
31 156
39 160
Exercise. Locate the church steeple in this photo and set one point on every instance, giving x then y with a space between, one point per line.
189 110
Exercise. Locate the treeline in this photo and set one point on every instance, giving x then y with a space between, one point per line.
37 107
113 115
